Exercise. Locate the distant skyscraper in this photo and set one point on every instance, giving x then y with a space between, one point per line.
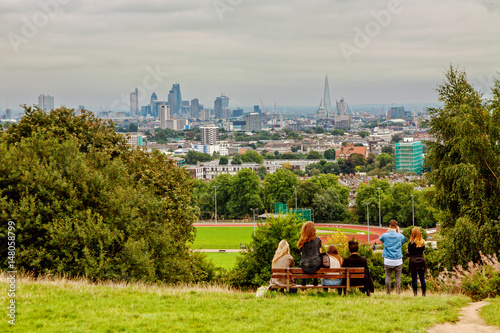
218 107
155 108
209 135
256 109
238 112
164 115
397 112
134 103
253 122
175 98
195 108
225 101
153 98
8 113
46 102
220 104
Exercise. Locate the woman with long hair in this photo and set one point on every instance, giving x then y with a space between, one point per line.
335 262
309 246
282 259
418 267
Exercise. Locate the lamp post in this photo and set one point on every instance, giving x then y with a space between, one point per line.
295 197
253 210
368 219
412 210
215 187
379 214
312 218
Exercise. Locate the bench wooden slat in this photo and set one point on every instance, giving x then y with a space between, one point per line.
346 273
323 276
298 270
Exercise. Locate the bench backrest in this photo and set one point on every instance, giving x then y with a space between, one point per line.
346 273
325 273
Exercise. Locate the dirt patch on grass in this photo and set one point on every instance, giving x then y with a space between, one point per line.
469 322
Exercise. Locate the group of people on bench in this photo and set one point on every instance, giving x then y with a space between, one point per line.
311 259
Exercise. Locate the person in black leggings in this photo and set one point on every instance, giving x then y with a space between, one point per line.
418 267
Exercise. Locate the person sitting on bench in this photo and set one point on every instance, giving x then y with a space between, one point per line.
282 259
355 260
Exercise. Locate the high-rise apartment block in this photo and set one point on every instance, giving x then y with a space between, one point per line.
134 103
409 157
46 102
209 135
253 122
164 115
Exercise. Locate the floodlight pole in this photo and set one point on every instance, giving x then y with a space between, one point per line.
412 210
379 214
253 210
368 219
215 187
295 199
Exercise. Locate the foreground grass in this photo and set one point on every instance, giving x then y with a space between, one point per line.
222 237
491 312
69 306
225 260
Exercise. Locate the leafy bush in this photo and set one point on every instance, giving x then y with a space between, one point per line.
478 280
85 204
253 268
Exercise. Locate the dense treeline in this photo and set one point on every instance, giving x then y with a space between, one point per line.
85 204
328 200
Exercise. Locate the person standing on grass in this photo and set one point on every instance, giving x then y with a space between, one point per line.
309 246
282 259
393 257
416 249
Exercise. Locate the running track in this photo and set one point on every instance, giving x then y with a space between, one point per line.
375 232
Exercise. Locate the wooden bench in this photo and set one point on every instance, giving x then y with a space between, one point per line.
296 273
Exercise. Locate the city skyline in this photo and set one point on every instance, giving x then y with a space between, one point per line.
373 52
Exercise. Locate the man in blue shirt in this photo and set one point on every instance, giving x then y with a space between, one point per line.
393 257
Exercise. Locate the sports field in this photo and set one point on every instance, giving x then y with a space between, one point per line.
222 237
225 260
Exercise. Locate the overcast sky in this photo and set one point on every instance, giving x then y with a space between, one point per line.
95 52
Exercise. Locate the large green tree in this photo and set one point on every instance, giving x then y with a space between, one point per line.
86 204
279 187
245 193
465 162
252 156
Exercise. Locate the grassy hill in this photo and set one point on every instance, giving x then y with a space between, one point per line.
78 306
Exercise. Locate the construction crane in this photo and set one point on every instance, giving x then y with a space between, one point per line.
274 120
265 112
